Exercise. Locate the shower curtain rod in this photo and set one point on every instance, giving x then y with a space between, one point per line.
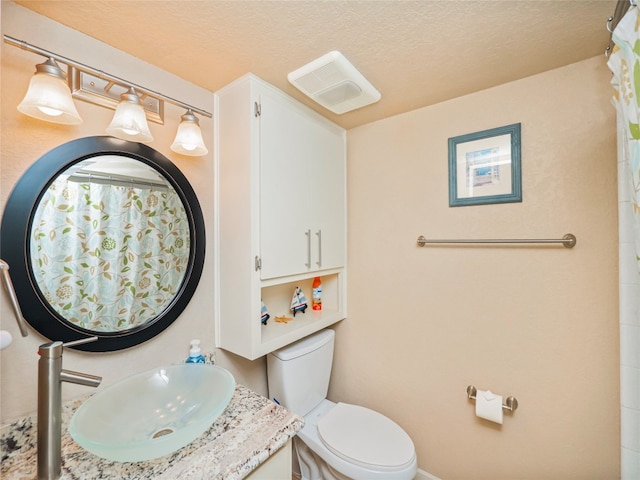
612 22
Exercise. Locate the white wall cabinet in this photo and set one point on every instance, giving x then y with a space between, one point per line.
280 187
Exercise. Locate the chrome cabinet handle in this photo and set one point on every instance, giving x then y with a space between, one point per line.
308 234
319 234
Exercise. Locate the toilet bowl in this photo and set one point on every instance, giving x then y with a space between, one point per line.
339 441
349 442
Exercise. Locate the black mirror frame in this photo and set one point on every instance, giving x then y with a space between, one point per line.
16 228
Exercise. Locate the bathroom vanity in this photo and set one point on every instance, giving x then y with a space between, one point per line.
251 439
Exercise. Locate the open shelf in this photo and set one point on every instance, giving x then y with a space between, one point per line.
277 298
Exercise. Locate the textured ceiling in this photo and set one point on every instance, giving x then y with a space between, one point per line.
416 53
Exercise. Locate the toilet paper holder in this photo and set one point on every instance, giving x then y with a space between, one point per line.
510 403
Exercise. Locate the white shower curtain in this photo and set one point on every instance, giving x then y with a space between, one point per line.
624 62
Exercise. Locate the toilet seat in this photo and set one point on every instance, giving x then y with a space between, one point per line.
365 437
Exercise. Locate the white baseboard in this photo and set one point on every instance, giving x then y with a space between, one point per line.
422 475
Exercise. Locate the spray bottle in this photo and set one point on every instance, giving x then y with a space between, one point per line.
317 294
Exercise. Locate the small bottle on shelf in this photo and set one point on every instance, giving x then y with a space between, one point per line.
317 294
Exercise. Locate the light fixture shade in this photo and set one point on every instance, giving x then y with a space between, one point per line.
129 121
48 97
189 137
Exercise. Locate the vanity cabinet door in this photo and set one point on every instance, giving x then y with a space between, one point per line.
302 190
277 466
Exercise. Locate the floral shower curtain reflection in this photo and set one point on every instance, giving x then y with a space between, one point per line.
109 257
624 62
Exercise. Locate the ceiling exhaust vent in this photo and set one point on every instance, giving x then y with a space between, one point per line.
334 83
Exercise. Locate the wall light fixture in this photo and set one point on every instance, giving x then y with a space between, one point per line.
189 137
133 104
49 97
130 122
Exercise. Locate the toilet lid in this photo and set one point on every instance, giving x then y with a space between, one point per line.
366 437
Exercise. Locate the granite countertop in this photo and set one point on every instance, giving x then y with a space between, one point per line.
247 433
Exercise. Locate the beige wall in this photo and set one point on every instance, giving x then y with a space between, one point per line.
539 323
24 140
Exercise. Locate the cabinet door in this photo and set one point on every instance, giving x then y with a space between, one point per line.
329 205
302 190
285 196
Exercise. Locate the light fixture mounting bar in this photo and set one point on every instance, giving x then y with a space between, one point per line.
142 91
106 93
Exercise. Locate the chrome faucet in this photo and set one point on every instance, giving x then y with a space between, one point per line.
50 378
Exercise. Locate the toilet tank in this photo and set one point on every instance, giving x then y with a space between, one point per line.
298 374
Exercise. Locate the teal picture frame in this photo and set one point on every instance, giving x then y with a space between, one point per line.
485 167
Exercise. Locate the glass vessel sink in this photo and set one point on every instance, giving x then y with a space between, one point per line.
154 413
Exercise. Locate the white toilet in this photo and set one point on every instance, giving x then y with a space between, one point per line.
338 441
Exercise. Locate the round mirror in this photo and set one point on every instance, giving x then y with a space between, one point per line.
103 237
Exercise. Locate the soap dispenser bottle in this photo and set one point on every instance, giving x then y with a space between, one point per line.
195 356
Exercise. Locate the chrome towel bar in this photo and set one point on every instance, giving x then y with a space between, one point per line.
510 403
568 241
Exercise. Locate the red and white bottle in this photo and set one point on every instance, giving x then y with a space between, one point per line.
316 297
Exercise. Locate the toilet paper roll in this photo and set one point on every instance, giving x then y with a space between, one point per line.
489 406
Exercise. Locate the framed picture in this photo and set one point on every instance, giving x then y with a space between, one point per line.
484 167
